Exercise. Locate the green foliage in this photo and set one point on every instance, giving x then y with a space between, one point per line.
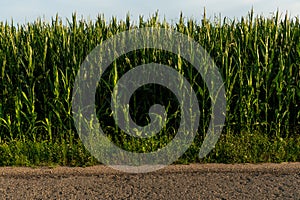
258 58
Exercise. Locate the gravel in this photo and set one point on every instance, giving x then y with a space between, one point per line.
195 181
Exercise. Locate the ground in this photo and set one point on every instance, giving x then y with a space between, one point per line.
195 181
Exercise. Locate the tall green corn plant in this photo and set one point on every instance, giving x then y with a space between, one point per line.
257 57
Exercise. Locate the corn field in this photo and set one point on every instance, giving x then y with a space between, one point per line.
258 58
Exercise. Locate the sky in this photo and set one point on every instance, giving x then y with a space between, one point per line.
24 11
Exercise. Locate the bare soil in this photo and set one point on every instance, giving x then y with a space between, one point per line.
195 181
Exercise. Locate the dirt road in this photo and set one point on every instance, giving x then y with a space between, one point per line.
196 181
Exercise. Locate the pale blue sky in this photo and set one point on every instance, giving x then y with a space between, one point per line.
28 10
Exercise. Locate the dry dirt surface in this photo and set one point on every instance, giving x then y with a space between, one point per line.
195 181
